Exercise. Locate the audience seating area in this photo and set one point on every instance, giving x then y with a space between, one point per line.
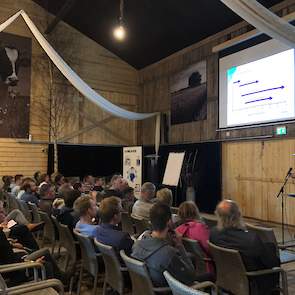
79 262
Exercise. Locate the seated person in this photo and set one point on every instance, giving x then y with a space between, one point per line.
141 207
29 187
107 231
18 178
158 252
128 199
57 205
44 179
7 256
98 184
115 189
86 209
256 255
193 228
67 215
18 217
47 195
165 196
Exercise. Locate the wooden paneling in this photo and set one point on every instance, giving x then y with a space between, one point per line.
156 95
101 69
252 174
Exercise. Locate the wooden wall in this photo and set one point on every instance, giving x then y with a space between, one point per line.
155 96
253 173
102 70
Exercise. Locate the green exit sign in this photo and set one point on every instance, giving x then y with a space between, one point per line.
281 130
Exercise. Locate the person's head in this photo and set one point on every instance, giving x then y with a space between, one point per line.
78 186
164 195
63 189
116 182
29 185
70 197
58 203
148 190
88 179
59 179
44 178
128 194
160 217
86 207
228 215
124 184
110 210
37 175
188 211
18 178
46 191
98 181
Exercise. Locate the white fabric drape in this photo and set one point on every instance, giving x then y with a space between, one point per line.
78 83
263 19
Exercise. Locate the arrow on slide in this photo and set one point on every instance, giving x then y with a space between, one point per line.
249 83
267 98
269 89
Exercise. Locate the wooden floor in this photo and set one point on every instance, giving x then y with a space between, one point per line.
289 236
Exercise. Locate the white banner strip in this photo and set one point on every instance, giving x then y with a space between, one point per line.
264 20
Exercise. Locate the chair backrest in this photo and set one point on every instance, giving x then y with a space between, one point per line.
141 224
88 253
113 273
48 229
25 209
179 288
266 234
193 247
35 214
230 270
127 223
141 282
211 221
12 202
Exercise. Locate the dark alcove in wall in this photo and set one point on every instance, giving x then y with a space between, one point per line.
79 160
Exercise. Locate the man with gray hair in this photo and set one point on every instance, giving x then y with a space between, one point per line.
141 207
256 255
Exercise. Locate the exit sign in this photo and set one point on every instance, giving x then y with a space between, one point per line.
281 130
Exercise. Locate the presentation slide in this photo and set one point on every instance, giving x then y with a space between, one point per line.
259 91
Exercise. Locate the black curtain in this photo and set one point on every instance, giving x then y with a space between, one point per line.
80 160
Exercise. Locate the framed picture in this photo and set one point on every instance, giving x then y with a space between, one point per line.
188 91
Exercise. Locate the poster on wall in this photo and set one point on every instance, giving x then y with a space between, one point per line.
188 91
132 167
15 85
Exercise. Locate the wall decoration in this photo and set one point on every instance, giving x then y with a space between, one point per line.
15 85
189 94
132 167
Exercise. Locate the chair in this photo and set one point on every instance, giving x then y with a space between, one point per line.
33 286
193 247
35 214
179 288
267 235
231 272
141 224
141 282
66 241
89 260
25 210
113 270
211 221
12 202
127 224
48 230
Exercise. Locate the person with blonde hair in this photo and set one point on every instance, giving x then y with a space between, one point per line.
164 196
256 255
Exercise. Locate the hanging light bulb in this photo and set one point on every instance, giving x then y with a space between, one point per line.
119 31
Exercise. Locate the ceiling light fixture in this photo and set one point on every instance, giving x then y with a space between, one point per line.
120 32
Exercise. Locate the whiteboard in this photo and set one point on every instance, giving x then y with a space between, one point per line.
173 169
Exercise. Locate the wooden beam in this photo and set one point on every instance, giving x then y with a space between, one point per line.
60 15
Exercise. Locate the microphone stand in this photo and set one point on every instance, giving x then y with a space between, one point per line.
281 192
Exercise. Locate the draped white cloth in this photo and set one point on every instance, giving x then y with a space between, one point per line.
78 83
264 20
